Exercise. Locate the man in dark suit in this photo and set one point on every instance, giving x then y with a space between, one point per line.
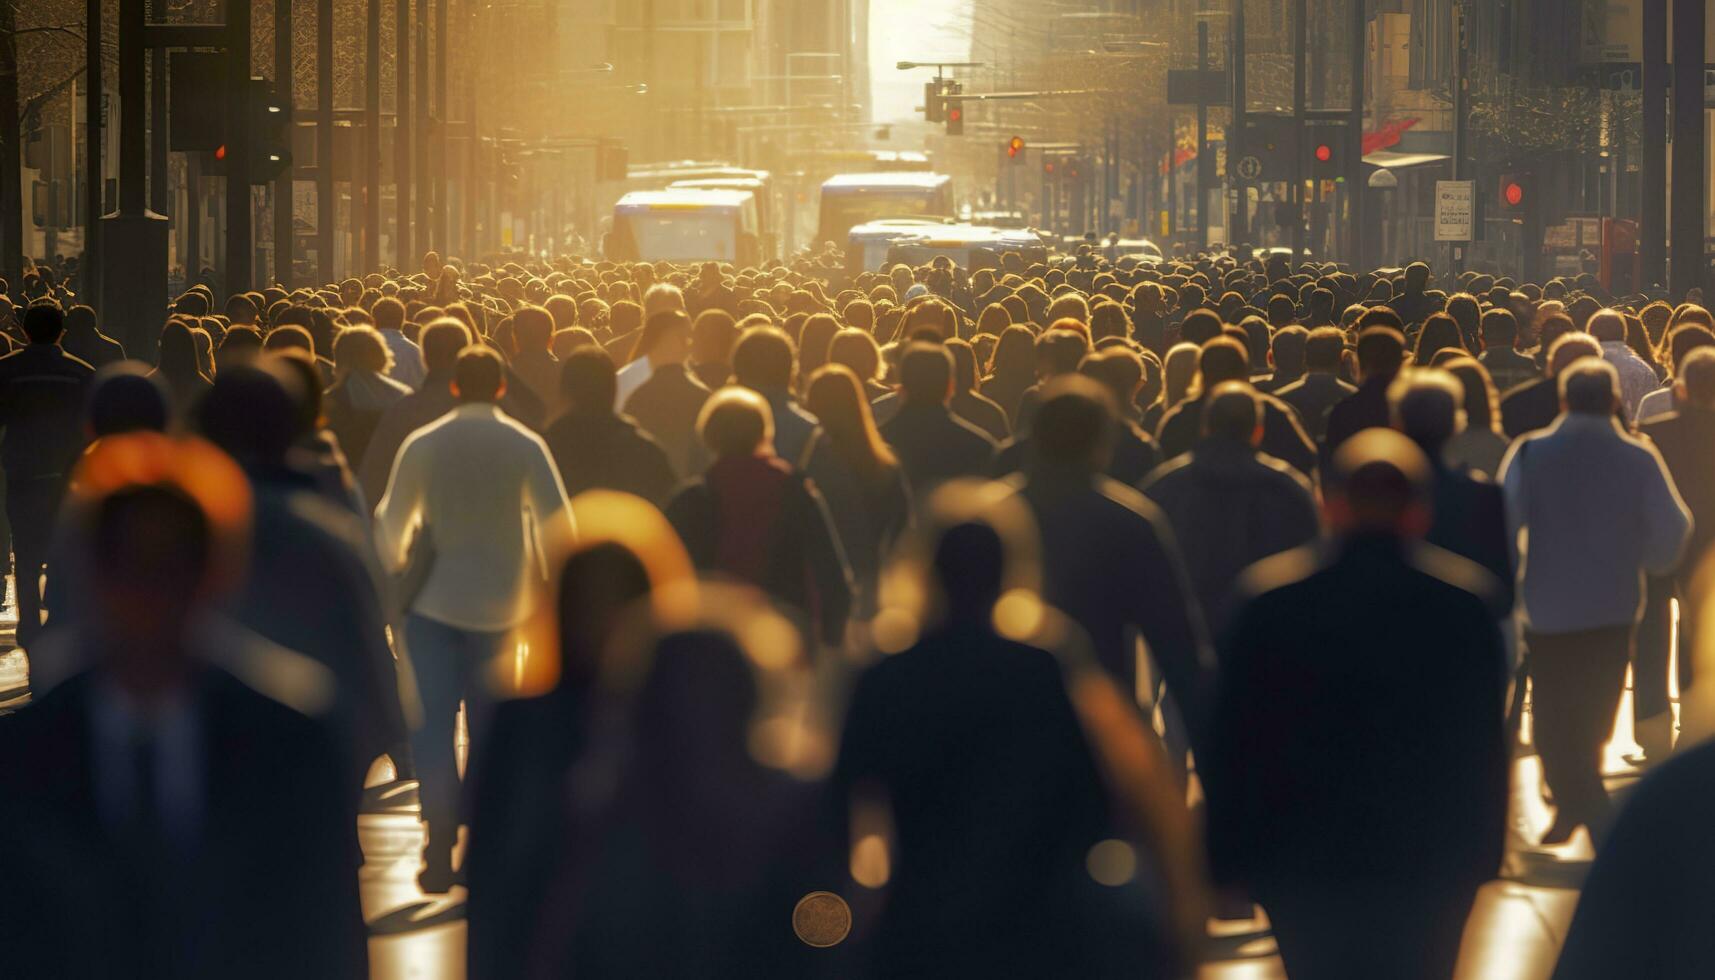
158 817
1686 441
1381 352
1535 404
1225 359
1320 389
1468 514
1357 772
933 444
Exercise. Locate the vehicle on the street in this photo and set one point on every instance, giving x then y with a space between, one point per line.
849 200
867 244
685 225
767 231
971 247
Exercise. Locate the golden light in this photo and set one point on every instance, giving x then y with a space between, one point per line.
1111 862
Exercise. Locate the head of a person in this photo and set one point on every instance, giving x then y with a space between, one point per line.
1222 359
1074 426
856 349
1378 485
389 313
1570 348
441 342
835 396
1059 351
926 374
662 297
1481 401
240 308
1323 349
1440 332
665 339
252 412
713 335
1416 277
1120 370
1695 381
361 350
588 381
479 376
736 422
1232 414
44 323
1200 326
532 329
764 360
1179 372
1589 386
1500 329
125 397
1287 350
1607 325
1428 405
1381 352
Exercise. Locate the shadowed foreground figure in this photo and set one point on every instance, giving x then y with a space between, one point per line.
1008 775
1358 774
158 817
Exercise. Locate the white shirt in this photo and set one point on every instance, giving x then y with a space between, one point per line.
468 479
630 378
408 366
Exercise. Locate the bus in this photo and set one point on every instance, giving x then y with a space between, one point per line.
757 186
971 247
685 225
849 200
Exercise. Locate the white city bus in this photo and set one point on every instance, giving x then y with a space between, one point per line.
757 186
867 244
971 247
849 200
685 225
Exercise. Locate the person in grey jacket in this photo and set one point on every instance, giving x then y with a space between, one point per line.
1591 509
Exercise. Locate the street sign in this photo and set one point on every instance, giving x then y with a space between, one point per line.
1454 204
1249 168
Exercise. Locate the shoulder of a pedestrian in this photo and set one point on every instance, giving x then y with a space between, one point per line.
1442 567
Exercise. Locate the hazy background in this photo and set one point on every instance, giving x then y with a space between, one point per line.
912 30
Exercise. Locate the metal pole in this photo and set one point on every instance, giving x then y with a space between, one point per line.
372 141
238 238
471 244
1241 229
159 193
441 117
424 126
285 85
401 133
1355 182
1203 168
93 183
193 220
324 141
1300 38
1687 257
1461 110
1652 169
133 135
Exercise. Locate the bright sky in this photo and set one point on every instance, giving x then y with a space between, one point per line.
912 30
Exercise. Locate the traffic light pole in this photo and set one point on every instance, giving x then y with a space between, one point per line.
1652 173
402 134
1204 169
1236 130
372 138
285 91
130 247
237 277
324 141
1300 40
1356 185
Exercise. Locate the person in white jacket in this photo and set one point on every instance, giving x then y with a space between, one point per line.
455 511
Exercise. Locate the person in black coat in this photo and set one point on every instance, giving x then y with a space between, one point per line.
158 816
1536 404
1381 354
933 444
1315 394
598 448
1231 505
1468 514
666 405
1109 559
1225 359
84 340
1357 774
973 742
1646 904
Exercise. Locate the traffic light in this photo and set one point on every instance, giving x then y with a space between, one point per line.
268 123
1324 161
1512 193
1074 168
1015 148
955 109
1049 167
934 107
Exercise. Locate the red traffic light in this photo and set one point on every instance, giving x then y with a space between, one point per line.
220 152
1513 193
1015 146
955 114
1048 167
1324 152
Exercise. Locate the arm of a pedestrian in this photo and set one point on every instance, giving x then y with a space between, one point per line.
828 564
1171 620
400 510
1513 495
1667 521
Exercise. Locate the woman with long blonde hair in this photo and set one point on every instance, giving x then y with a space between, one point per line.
858 475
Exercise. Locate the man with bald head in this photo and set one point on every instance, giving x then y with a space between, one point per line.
1366 850
1597 510
1637 378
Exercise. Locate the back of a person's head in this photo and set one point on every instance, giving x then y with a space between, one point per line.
240 309
1378 483
1222 359
657 328
763 359
926 373
1380 350
479 375
125 397
1696 375
1379 316
1231 413
1074 423
1119 369
735 421
1570 348
1427 405
1200 326
281 338
1500 328
1589 386
532 329
662 297
1060 351
1288 347
251 412
589 382
44 323
713 335
857 350
1607 325
441 342
361 348
1323 348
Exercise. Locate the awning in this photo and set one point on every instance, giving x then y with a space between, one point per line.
1401 161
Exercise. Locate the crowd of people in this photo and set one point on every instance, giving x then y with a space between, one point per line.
927 622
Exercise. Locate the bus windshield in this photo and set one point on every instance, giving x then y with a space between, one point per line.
677 236
842 212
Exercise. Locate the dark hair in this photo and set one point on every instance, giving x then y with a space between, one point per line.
1289 347
1073 423
1381 350
44 323
588 381
763 359
124 397
479 374
656 327
442 341
926 373
1231 412
1222 359
251 413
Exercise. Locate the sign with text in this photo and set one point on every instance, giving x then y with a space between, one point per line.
1455 202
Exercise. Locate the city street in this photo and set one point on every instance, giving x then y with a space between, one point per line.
1514 933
